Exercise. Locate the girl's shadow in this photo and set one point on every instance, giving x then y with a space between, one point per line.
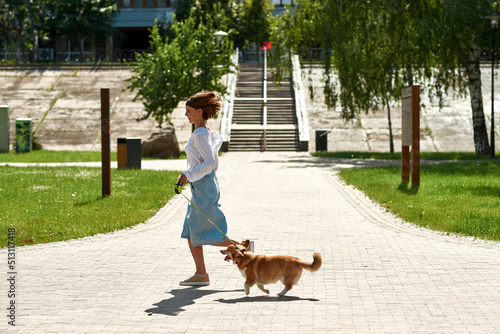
182 298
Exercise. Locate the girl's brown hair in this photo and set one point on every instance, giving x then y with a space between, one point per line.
209 102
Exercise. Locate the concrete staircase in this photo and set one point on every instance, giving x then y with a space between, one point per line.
250 131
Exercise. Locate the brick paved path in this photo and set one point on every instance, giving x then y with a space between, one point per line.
379 275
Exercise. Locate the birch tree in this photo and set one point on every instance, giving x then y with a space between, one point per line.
375 48
463 28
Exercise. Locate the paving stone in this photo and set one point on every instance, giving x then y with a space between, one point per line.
380 275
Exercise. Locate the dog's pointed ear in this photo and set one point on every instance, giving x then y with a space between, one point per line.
246 244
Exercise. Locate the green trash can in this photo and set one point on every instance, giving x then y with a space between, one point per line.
24 137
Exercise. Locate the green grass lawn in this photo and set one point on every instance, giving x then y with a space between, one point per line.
461 198
423 155
46 156
60 203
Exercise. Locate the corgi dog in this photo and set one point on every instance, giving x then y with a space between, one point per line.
262 269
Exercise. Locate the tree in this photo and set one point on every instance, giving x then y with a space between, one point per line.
14 22
254 22
375 48
78 20
462 28
180 66
25 22
182 9
402 53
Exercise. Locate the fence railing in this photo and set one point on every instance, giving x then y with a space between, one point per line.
300 104
47 55
227 109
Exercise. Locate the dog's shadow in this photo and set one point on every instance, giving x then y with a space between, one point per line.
264 298
182 298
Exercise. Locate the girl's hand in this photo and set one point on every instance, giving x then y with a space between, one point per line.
183 179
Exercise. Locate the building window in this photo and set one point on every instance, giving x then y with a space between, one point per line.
138 3
125 3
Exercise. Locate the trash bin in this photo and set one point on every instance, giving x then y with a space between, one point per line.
134 152
24 138
122 153
4 129
129 152
321 140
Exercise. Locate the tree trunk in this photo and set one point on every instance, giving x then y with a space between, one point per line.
391 137
478 120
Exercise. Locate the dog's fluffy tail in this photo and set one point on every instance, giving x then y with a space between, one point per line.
315 265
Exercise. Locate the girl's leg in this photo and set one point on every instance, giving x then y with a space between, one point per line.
199 261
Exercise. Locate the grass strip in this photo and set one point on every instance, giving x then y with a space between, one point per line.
458 198
47 156
454 156
51 204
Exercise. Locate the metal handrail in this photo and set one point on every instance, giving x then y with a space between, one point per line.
264 100
227 109
300 103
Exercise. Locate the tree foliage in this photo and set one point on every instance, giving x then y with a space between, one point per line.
374 48
178 66
247 21
78 20
254 21
24 22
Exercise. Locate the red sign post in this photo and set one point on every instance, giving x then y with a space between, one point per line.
266 46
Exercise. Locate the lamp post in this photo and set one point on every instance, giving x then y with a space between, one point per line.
494 25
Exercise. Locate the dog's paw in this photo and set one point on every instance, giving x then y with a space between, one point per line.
282 293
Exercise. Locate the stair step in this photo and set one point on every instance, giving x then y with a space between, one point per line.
248 108
252 140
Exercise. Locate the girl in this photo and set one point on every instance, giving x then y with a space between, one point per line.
202 163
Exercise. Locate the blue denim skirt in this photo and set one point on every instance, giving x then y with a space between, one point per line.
205 195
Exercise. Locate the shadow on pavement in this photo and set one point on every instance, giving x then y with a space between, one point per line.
182 298
333 164
264 298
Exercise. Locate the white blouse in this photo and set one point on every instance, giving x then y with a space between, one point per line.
202 153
